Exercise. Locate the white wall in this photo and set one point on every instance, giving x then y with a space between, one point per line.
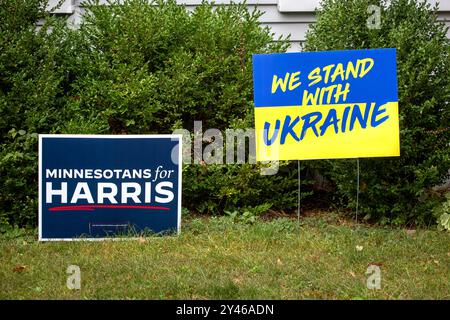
284 17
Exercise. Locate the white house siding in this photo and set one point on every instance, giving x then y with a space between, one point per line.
284 17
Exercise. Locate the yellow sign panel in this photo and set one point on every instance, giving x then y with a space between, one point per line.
293 133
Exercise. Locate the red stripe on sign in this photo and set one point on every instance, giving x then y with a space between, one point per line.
91 207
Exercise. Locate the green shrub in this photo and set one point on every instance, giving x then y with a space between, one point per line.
18 168
214 188
29 103
159 68
133 68
154 68
396 190
442 214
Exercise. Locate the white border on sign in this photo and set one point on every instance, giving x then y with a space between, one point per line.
178 137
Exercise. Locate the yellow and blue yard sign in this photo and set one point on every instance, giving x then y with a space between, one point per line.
324 105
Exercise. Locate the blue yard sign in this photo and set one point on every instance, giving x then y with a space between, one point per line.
99 186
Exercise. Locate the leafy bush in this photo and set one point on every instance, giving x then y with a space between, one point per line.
196 67
144 67
214 188
155 68
135 68
29 99
396 190
18 168
442 214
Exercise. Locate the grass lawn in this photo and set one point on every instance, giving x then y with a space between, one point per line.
216 258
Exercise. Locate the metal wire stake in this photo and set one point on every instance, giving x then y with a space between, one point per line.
357 188
299 192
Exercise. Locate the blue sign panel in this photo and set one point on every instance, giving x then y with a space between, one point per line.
289 79
98 186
